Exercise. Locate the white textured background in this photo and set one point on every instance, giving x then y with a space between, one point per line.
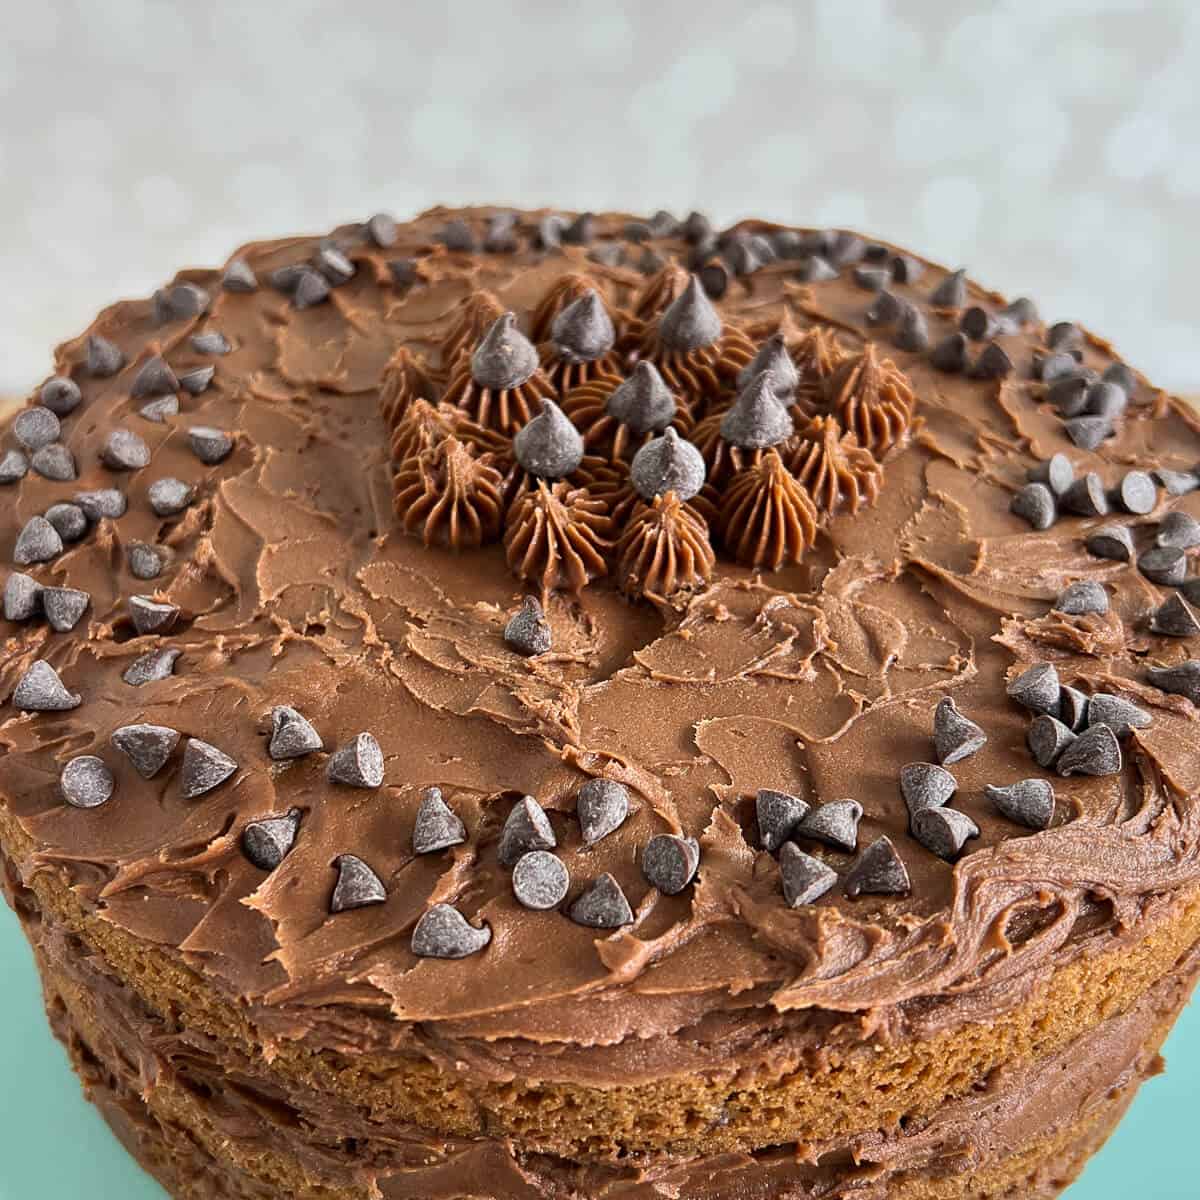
1051 146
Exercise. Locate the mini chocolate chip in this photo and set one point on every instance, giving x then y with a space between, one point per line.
757 419
37 542
146 746
778 815
878 871
815 269
1178 529
1029 802
55 462
834 823
643 402
334 265
1022 311
1056 473
943 831
1106 400
1035 503
772 356
525 828
154 378
151 616
663 224
690 322
669 862
505 358
906 269
742 259
583 331
357 886
382 229
86 782
549 231
443 932
1095 751
104 358
124 451
359 763
993 363
151 667
925 785
312 288
169 496
955 737
436 826
1111 541
540 881
1180 680
63 607
876 252
951 292
950 354
1072 708
22 596
581 230
13 466
667 464
404 271
885 309
1047 738
1137 493
872 279
292 734
1064 335
1165 565
210 341
549 446
804 879
239 277
1036 688
1175 617
1069 394
204 768
978 324
1088 432
209 445
180 302
1177 483
197 379
160 408
1120 715
1123 377
102 503
527 631
1086 497
41 690
696 227
1054 367
1083 598
602 905
602 806
267 841
912 334
145 562
36 427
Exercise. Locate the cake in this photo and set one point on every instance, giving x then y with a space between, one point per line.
536 705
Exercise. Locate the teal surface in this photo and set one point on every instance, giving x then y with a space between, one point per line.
54 1146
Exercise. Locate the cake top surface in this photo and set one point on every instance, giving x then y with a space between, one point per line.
543 628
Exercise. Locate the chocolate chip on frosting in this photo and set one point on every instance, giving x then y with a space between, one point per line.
549 446
169 496
872 279
1054 367
1136 493
1029 802
540 880
1088 432
993 363
36 427
312 288
912 332
381 230
22 596
690 322
86 782
602 806
643 402
443 932
943 831
104 358
1086 497
37 542
1121 375
1180 680
757 419
669 862
146 746
1178 529
878 871
1035 503
950 354
1072 708
1086 597
292 734
951 292
209 445
668 464
1064 335
151 667
1056 473
804 879
778 814
145 562
1175 617
41 690
885 309
64 606
204 767
602 906
581 230
526 828
1036 688
359 763
1165 565
267 841
1047 738
527 631
160 408
13 466
1120 715
210 341
505 358
834 823
1095 751
955 737
197 379
772 356
239 277
123 450
1110 541
54 462
154 378
549 233
583 331
816 269
926 785
334 265
152 616
1177 483
357 886
180 302
1069 394
1105 399
436 826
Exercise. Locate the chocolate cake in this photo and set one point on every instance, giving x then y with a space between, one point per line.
525 705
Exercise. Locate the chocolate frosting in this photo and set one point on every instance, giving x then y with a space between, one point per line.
297 585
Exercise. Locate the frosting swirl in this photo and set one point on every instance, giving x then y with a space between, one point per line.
664 550
767 518
833 468
556 537
873 399
448 497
